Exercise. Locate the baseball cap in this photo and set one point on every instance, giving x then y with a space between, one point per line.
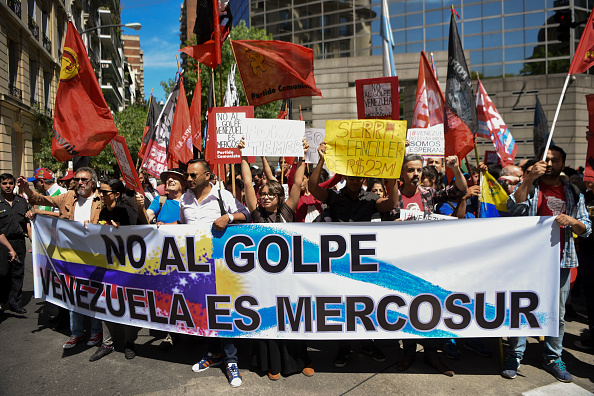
69 175
41 174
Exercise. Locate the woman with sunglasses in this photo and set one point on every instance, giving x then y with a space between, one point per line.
276 356
118 210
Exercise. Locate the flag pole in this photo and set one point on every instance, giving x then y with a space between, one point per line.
476 153
544 156
233 179
147 113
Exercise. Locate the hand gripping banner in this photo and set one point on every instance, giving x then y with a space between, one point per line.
309 281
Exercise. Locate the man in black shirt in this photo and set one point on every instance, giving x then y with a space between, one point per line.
15 225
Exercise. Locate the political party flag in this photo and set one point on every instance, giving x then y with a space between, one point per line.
273 70
492 202
460 108
540 130
212 28
584 54
492 126
231 98
149 126
429 100
388 42
195 111
83 124
157 158
180 144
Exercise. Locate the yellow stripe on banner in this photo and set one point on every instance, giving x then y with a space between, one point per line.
75 256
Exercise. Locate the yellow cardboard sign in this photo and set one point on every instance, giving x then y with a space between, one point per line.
366 148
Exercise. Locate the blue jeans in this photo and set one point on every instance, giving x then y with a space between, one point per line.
76 324
553 346
214 347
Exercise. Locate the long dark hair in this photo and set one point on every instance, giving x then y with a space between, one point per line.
116 185
277 189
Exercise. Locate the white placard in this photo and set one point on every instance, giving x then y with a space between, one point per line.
426 141
264 137
314 137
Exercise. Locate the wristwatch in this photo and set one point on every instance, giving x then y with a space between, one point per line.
230 218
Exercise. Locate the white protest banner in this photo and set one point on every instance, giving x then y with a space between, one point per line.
308 281
265 137
417 215
426 141
122 154
314 136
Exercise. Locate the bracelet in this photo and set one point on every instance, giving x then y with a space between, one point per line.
230 218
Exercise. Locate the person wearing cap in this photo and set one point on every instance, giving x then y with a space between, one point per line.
15 226
67 181
83 205
166 207
43 181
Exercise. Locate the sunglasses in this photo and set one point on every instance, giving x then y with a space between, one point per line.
105 192
267 195
81 179
196 175
8 183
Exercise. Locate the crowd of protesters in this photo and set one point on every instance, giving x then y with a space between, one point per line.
296 193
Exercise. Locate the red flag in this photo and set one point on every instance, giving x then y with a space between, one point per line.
195 110
492 126
83 124
584 54
429 100
180 145
274 70
211 32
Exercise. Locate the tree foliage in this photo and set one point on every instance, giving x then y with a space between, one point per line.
239 32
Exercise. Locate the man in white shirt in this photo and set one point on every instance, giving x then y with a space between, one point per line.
206 204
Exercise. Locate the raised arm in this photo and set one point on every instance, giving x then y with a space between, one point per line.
267 170
250 193
318 192
295 192
453 163
391 201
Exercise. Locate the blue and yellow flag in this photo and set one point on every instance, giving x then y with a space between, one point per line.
493 197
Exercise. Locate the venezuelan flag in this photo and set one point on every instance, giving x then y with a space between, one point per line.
493 197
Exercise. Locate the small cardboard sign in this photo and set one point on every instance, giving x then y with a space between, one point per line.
314 136
265 137
122 154
378 98
426 141
225 132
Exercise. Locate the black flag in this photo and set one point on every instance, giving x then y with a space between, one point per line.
540 131
459 96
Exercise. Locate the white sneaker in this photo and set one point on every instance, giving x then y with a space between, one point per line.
233 375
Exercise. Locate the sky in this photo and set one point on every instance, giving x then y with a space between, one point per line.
159 39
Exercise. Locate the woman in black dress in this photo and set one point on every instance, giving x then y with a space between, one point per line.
118 210
276 357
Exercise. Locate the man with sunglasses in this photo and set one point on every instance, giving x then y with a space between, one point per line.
352 203
207 205
81 204
15 225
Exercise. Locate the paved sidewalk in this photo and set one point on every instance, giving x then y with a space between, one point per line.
34 363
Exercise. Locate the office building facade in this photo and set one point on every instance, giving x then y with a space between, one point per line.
519 48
